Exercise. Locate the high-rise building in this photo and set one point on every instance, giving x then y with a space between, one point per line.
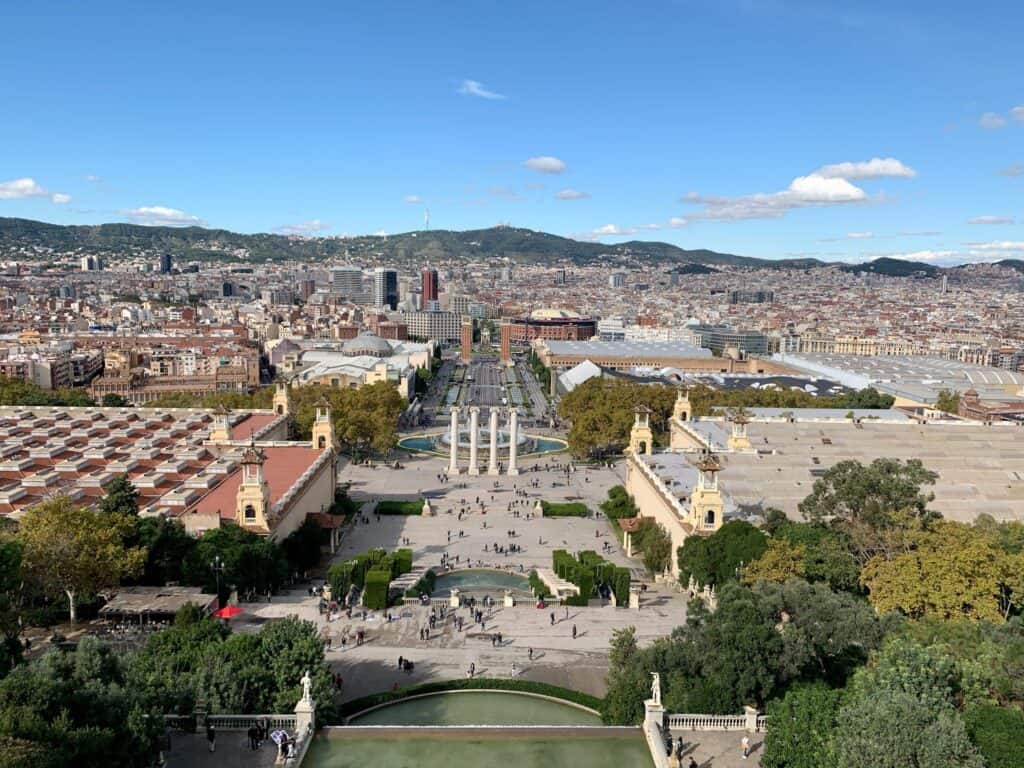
385 288
560 277
616 279
506 341
751 297
347 282
166 263
467 339
428 281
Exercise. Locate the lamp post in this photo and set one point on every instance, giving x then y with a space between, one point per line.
217 566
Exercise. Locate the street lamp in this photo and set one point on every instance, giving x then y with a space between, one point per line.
217 566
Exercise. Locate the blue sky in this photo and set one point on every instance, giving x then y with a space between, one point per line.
772 129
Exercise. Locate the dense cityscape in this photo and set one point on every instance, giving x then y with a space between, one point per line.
743 485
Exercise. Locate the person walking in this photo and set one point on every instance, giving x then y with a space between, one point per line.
254 738
211 736
745 743
552 618
529 653
573 631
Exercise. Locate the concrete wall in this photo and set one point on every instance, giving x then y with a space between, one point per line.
318 494
651 503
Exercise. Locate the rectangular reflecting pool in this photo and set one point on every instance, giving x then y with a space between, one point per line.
458 747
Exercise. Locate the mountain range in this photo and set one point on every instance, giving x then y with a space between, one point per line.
515 245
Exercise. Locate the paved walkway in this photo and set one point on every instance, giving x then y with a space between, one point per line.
720 749
557 658
191 750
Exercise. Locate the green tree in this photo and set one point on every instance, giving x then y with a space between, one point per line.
950 570
251 562
780 562
628 685
303 546
655 545
111 400
77 709
121 498
802 724
10 603
997 733
875 507
717 558
75 551
948 401
167 546
619 504
892 729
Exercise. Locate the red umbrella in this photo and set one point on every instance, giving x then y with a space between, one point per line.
227 612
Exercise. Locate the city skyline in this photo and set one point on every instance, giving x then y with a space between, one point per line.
705 125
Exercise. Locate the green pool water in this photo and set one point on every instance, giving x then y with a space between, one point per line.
481 580
571 737
525 750
478 708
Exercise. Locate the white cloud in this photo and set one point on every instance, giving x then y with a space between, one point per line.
18 188
859 235
475 88
1017 113
991 120
545 164
414 199
675 222
572 194
305 228
613 229
1016 169
93 178
991 220
162 216
380 233
829 185
998 245
875 168
922 233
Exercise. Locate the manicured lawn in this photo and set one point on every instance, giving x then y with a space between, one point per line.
564 509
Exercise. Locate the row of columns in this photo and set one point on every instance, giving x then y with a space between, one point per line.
474 423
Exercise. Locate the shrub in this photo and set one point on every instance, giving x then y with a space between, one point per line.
340 578
619 504
539 588
375 593
565 509
403 561
996 731
391 507
424 586
620 585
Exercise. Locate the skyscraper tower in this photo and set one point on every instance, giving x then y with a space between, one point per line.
385 288
428 280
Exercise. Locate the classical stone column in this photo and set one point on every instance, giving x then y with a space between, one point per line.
492 467
453 460
513 444
474 425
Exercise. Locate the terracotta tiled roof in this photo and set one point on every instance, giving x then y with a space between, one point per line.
283 466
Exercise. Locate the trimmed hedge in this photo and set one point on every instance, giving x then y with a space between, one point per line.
619 504
587 570
355 706
390 507
539 588
425 585
564 509
375 593
343 576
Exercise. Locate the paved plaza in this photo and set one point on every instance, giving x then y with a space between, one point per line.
557 658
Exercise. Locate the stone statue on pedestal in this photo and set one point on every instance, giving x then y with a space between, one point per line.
307 685
656 688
